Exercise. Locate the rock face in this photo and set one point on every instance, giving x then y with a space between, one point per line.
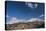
29 25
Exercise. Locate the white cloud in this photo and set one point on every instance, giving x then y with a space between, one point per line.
12 20
31 5
36 5
41 15
15 20
7 16
34 19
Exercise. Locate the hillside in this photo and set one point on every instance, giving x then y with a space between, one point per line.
28 25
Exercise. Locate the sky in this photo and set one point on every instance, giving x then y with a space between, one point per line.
23 11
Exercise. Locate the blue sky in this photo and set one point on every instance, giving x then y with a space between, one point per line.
23 10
